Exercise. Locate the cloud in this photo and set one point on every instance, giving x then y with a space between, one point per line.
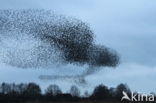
18 4
138 77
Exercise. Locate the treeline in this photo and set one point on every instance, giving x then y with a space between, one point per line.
32 92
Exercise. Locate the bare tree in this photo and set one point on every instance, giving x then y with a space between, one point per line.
32 89
101 92
119 90
53 90
75 91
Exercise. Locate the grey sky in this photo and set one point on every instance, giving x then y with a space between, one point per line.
128 26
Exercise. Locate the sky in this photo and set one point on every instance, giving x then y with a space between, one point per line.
127 26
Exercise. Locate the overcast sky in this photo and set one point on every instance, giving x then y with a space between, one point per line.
128 26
